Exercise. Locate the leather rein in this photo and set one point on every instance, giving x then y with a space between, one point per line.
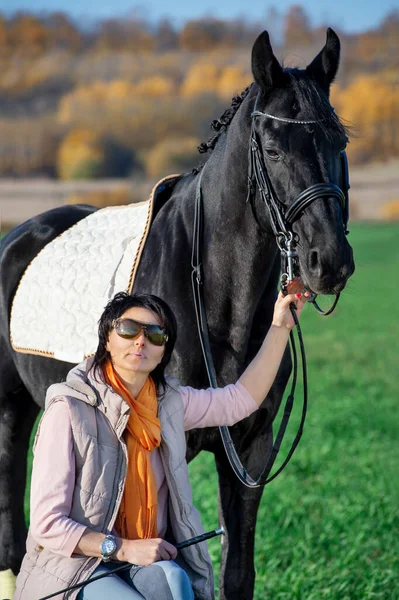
281 220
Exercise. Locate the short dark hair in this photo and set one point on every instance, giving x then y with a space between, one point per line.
116 307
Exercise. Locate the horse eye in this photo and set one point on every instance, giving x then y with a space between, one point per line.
272 154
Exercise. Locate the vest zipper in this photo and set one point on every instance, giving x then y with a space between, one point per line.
120 481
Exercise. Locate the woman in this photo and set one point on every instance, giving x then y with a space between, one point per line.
110 480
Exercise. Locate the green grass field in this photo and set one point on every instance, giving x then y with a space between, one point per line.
328 526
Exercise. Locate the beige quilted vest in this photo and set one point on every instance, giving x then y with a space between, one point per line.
98 419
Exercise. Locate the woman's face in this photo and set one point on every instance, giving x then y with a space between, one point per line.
135 356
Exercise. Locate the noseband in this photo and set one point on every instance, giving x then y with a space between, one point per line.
282 217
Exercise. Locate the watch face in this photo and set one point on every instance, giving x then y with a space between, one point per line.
108 546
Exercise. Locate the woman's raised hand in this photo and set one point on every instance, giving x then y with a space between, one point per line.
146 552
282 316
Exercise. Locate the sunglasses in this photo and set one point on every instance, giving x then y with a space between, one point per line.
130 329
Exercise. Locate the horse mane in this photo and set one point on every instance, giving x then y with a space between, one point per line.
221 124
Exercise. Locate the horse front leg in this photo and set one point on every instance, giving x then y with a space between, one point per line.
17 417
238 509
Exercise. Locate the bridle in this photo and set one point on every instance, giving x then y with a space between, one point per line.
282 217
281 220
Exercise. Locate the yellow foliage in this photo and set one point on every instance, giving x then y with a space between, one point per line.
118 196
155 87
117 89
390 210
371 105
111 97
201 79
232 81
87 98
367 99
81 155
175 155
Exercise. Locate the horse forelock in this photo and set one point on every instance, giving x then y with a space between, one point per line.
312 104
299 96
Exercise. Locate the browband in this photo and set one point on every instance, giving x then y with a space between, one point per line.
257 113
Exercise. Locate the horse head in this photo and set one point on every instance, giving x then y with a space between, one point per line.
298 155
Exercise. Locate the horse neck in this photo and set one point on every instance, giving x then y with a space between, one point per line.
239 257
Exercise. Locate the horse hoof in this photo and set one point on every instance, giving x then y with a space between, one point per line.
7 584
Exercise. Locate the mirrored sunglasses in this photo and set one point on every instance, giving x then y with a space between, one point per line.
130 329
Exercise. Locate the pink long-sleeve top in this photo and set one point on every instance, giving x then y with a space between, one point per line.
52 488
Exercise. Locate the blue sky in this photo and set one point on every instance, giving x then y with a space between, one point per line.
349 15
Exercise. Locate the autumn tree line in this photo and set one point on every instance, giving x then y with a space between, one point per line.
131 98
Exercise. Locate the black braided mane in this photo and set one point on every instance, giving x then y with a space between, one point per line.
223 122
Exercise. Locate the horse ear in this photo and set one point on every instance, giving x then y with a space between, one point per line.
325 66
266 69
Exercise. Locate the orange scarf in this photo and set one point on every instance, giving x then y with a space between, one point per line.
137 517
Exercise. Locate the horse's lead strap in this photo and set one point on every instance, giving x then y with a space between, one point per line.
203 331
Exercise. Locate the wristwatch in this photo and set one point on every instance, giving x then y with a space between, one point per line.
108 547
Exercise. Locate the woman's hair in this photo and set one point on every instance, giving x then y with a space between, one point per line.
116 307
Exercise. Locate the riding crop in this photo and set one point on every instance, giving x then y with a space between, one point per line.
190 542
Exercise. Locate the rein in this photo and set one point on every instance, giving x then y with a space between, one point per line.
281 222
203 330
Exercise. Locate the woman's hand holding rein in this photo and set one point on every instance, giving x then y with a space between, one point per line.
260 374
282 316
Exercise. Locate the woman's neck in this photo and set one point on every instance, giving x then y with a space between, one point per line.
133 381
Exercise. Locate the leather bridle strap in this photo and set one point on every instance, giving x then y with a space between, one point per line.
265 188
197 282
232 455
312 193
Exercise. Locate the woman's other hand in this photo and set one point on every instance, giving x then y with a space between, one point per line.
145 552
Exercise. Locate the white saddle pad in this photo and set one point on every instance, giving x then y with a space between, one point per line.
64 290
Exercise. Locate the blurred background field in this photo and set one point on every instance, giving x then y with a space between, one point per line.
98 111
328 526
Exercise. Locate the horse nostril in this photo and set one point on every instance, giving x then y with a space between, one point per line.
314 260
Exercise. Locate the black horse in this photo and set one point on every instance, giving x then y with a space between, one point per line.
300 142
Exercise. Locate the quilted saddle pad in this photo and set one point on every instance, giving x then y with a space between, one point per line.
64 290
